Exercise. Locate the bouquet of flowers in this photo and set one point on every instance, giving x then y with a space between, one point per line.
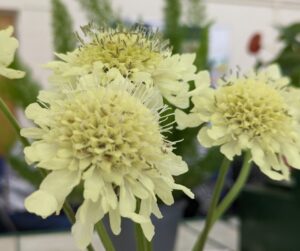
102 125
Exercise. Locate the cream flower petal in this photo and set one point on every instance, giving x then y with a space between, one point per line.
32 133
231 149
115 221
37 114
164 192
179 168
204 138
138 189
127 201
88 214
41 203
11 73
267 170
148 230
83 234
55 187
8 46
93 184
184 189
55 163
293 156
40 151
273 71
216 132
202 79
187 120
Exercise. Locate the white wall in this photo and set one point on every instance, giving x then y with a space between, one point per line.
242 21
239 21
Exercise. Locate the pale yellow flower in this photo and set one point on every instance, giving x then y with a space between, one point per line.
8 46
257 112
110 139
138 55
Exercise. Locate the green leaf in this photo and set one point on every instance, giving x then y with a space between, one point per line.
99 12
21 92
201 60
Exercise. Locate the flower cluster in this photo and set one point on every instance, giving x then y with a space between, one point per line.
103 130
8 46
137 54
257 112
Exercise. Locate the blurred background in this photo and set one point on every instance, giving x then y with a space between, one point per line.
226 35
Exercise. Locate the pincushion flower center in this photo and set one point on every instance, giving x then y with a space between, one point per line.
252 107
125 51
107 128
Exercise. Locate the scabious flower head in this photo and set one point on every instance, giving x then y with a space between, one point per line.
8 46
110 139
257 112
137 54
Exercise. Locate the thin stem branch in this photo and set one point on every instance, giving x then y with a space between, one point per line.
199 246
236 188
102 233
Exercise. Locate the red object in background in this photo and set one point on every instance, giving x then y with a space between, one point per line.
254 45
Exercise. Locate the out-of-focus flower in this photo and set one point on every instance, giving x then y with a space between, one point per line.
8 46
257 112
254 45
137 54
110 139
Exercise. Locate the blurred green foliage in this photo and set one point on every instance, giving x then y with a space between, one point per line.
21 167
196 13
99 12
289 57
201 60
62 28
202 163
21 92
172 26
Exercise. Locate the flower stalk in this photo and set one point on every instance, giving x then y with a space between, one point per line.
215 212
199 246
104 237
142 244
236 189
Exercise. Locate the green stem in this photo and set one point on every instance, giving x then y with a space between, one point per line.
102 233
142 243
236 189
139 237
199 246
10 117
